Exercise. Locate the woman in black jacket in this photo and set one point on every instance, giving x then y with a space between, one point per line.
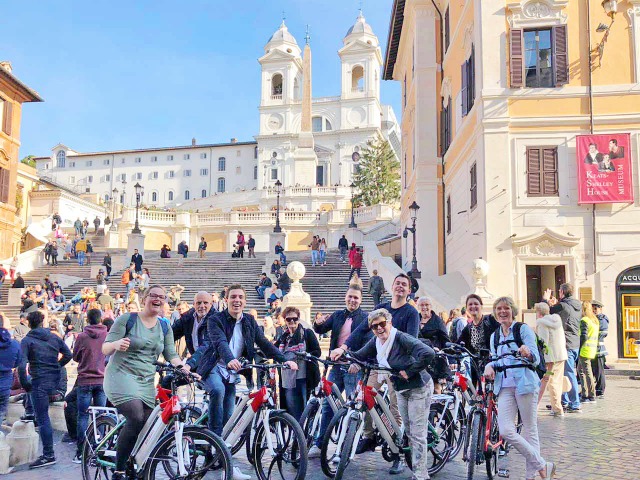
297 384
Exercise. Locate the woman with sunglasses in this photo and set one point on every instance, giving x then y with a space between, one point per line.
296 384
413 385
129 377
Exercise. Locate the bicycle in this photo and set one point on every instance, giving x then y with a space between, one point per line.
179 452
310 419
347 425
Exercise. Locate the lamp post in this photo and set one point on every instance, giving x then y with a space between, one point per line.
610 7
415 273
353 223
114 198
139 191
278 228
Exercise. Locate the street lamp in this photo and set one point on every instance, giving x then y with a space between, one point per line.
610 7
139 191
415 273
353 223
114 198
277 228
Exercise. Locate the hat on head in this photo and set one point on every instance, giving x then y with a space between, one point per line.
597 304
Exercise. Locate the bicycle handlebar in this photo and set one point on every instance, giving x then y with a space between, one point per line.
313 358
176 371
367 365
265 366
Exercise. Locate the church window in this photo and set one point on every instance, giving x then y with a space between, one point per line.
187 173
255 172
276 86
221 185
222 164
169 157
357 79
203 194
274 174
187 195
71 164
90 179
89 163
154 196
138 159
61 157
316 124
204 172
170 196
328 125
171 174
106 162
296 89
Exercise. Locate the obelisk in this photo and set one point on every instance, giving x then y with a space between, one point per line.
305 159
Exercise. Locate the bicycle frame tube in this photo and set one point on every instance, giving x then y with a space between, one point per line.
108 453
491 411
388 428
238 411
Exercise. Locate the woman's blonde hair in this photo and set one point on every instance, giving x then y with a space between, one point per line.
587 311
509 301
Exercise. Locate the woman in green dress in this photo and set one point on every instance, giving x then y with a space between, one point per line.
129 376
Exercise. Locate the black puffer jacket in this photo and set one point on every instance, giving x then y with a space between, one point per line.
570 311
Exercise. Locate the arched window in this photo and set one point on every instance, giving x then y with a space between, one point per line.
204 193
106 197
328 125
276 85
187 195
170 196
221 185
357 79
154 196
61 157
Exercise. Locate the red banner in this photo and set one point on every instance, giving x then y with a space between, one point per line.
604 168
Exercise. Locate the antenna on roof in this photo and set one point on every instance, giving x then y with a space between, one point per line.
307 37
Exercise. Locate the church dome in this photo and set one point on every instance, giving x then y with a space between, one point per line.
282 36
360 27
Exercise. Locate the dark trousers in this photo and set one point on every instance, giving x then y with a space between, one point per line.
241 252
296 398
376 298
71 412
354 270
136 413
87 394
597 365
108 267
40 398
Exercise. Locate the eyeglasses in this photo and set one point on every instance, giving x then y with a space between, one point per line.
379 325
291 319
153 296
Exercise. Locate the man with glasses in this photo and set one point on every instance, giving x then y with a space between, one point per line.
405 318
232 335
341 324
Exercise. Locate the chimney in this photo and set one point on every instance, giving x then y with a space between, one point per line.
234 140
193 142
7 66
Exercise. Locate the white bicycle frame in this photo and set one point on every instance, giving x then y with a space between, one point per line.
332 403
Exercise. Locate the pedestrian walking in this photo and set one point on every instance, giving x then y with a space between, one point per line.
13 268
96 224
251 245
240 243
10 358
81 251
85 227
356 263
315 250
598 364
106 263
54 254
202 248
376 287
89 251
137 261
77 225
343 246
589 329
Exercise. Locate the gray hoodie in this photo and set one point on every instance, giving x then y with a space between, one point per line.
570 311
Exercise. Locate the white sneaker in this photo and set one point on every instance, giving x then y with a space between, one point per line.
314 452
238 475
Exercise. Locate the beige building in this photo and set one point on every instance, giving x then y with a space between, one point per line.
495 94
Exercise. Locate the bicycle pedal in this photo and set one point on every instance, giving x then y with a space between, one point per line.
503 473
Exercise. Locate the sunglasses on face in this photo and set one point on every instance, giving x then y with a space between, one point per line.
291 319
379 326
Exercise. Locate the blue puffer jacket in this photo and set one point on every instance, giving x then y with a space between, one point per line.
9 359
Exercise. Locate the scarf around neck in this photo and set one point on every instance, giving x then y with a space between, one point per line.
383 350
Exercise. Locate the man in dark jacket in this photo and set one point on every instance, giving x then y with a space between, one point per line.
284 282
341 324
10 358
137 260
87 351
263 283
598 363
192 325
570 311
19 281
376 287
343 246
74 320
41 349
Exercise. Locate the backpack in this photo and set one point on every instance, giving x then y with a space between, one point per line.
125 277
131 321
453 332
541 367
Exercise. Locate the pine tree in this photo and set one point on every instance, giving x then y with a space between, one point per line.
377 179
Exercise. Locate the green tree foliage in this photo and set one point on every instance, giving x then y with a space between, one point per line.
29 160
377 180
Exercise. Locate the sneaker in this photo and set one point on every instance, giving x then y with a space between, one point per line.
551 470
314 452
238 475
66 438
43 462
397 467
574 410
556 414
77 458
28 418
592 400
366 445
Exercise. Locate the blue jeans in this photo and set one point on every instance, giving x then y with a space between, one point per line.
572 397
260 291
344 381
4 404
314 257
296 398
40 397
87 393
343 254
130 285
222 401
80 258
283 258
323 256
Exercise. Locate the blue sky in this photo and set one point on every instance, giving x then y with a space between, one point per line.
133 74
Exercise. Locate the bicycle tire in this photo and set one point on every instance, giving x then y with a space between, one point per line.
326 457
460 428
491 458
441 450
103 424
347 446
474 445
307 419
292 453
216 455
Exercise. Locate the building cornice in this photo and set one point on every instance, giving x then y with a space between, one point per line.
537 12
27 94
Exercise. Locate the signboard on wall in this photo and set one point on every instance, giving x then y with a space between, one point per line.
604 168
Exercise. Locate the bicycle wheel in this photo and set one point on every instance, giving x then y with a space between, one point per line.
192 415
474 446
459 431
308 418
289 458
202 451
99 464
328 450
347 446
491 457
440 437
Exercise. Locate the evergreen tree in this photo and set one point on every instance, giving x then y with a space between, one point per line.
29 160
377 179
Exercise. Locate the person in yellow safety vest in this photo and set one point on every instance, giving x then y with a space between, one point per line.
589 330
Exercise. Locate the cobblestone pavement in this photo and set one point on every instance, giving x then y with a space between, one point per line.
600 443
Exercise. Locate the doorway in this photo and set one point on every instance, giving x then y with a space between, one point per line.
542 277
320 175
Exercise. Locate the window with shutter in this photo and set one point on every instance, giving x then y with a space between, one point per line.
542 171
447 116
473 177
5 176
447 36
464 74
560 57
6 120
516 58
449 214
471 81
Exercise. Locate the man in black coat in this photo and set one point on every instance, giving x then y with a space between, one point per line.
137 260
192 325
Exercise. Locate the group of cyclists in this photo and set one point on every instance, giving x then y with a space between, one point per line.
378 393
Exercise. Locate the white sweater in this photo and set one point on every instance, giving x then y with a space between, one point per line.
550 330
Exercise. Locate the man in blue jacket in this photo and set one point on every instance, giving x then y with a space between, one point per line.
40 349
10 358
342 324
